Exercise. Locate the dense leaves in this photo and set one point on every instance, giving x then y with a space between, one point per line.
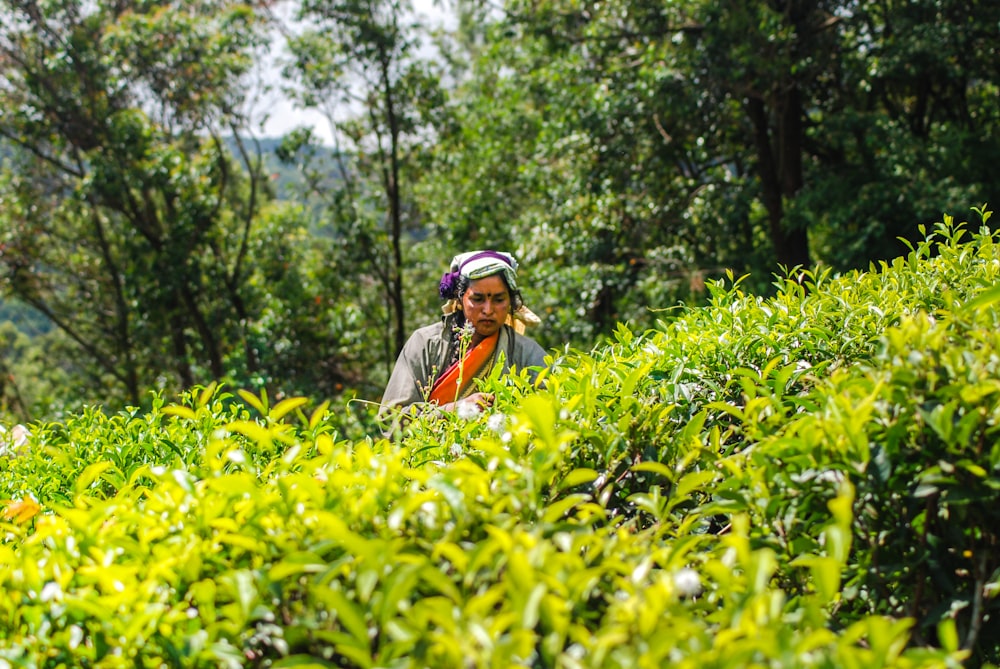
786 481
625 151
363 56
149 245
125 222
639 147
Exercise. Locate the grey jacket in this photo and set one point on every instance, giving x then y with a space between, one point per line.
426 353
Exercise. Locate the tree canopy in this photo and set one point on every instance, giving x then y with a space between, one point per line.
626 151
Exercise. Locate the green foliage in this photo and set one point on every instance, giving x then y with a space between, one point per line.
806 480
633 149
358 62
125 221
626 150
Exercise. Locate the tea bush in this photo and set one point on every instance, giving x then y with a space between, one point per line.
806 480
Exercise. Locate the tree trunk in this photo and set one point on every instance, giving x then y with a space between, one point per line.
179 341
395 207
209 341
781 173
122 315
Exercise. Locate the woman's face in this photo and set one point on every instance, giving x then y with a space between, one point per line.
486 304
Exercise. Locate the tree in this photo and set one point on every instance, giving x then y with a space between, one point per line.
577 138
358 61
687 138
766 55
908 119
127 221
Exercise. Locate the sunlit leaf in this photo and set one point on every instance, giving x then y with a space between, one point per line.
179 411
21 511
91 474
286 406
578 477
260 404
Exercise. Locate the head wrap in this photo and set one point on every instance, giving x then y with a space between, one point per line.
477 265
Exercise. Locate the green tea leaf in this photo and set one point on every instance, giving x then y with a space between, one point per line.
260 404
90 474
578 477
179 411
986 299
303 662
350 615
286 406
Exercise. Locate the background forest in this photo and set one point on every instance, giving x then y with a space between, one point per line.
152 238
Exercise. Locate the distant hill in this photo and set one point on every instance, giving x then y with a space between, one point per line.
26 319
288 178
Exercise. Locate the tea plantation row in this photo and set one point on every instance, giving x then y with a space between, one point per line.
810 480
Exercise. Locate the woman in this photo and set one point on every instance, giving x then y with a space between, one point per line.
484 317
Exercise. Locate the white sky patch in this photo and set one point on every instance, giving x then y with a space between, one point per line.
274 114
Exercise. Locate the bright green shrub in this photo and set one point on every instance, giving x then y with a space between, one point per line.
930 521
808 480
349 557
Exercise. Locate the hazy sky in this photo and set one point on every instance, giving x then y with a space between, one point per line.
281 115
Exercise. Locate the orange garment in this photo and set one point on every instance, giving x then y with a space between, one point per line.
446 388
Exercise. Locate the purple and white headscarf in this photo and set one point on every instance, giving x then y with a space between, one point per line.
477 265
